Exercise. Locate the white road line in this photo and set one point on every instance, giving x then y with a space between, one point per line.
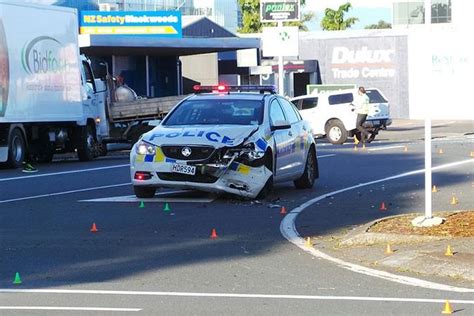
325 156
66 308
288 230
63 172
169 196
384 148
65 192
237 295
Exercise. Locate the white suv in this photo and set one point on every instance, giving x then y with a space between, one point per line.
331 113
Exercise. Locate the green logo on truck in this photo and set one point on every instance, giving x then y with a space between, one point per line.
41 55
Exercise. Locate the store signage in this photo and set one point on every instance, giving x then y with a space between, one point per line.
158 23
274 10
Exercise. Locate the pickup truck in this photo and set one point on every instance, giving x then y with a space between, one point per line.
331 114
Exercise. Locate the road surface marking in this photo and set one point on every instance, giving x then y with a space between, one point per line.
171 196
237 295
66 308
64 192
63 172
325 156
384 148
288 230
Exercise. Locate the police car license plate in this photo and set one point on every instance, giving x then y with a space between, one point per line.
184 169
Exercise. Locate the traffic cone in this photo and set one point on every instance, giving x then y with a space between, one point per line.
440 151
435 189
383 207
142 204
167 207
363 146
213 234
454 200
388 250
405 149
472 153
17 279
94 228
283 210
308 242
447 308
355 148
449 252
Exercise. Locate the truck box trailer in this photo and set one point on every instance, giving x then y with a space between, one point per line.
50 99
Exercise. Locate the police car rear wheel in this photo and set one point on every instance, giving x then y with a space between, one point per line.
144 192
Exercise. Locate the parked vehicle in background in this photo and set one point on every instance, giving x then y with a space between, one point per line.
54 100
331 113
234 139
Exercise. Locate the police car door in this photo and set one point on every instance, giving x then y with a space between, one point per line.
297 151
284 140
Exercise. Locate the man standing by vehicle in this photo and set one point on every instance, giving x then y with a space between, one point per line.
362 109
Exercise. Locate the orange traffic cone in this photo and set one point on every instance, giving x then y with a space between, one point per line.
447 308
383 207
388 250
449 252
435 189
454 200
94 228
283 210
213 234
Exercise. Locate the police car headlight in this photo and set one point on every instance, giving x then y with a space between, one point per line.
144 148
254 155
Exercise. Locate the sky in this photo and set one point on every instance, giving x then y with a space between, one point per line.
367 11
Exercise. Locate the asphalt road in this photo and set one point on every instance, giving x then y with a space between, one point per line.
150 261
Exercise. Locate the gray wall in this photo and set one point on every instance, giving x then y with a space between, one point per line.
371 61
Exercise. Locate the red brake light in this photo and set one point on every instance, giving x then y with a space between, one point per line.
197 87
142 175
221 88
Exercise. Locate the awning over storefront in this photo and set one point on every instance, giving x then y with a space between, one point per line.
150 45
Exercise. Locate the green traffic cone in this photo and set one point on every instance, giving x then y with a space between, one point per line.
17 279
167 207
142 204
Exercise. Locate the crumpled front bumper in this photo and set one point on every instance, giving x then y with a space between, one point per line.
235 178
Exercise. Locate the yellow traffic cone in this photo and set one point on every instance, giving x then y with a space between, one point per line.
388 250
355 148
435 189
447 308
454 200
472 153
441 151
405 149
308 242
449 252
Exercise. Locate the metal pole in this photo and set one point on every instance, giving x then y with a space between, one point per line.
147 65
281 74
428 172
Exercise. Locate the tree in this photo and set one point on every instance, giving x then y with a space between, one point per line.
334 20
380 25
251 17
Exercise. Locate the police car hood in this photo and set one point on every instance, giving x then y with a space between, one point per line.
214 135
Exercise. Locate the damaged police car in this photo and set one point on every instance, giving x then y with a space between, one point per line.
234 139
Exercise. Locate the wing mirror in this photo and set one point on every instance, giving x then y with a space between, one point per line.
280 124
154 123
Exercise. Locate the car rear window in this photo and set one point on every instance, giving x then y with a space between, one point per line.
375 96
215 112
340 98
309 103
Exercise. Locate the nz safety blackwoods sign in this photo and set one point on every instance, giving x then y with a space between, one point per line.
283 10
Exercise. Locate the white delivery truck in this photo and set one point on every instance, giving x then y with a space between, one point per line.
50 100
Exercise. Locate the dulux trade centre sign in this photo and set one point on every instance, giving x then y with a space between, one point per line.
157 23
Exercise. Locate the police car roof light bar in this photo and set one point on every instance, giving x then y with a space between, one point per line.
234 88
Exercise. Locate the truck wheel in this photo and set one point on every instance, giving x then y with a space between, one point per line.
144 192
86 143
336 133
306 181
16 149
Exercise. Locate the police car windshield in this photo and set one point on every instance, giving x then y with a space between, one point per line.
217 112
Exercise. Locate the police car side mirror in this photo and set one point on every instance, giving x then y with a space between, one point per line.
154 123
280 124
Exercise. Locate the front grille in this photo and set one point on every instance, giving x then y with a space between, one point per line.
197 152
200 178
